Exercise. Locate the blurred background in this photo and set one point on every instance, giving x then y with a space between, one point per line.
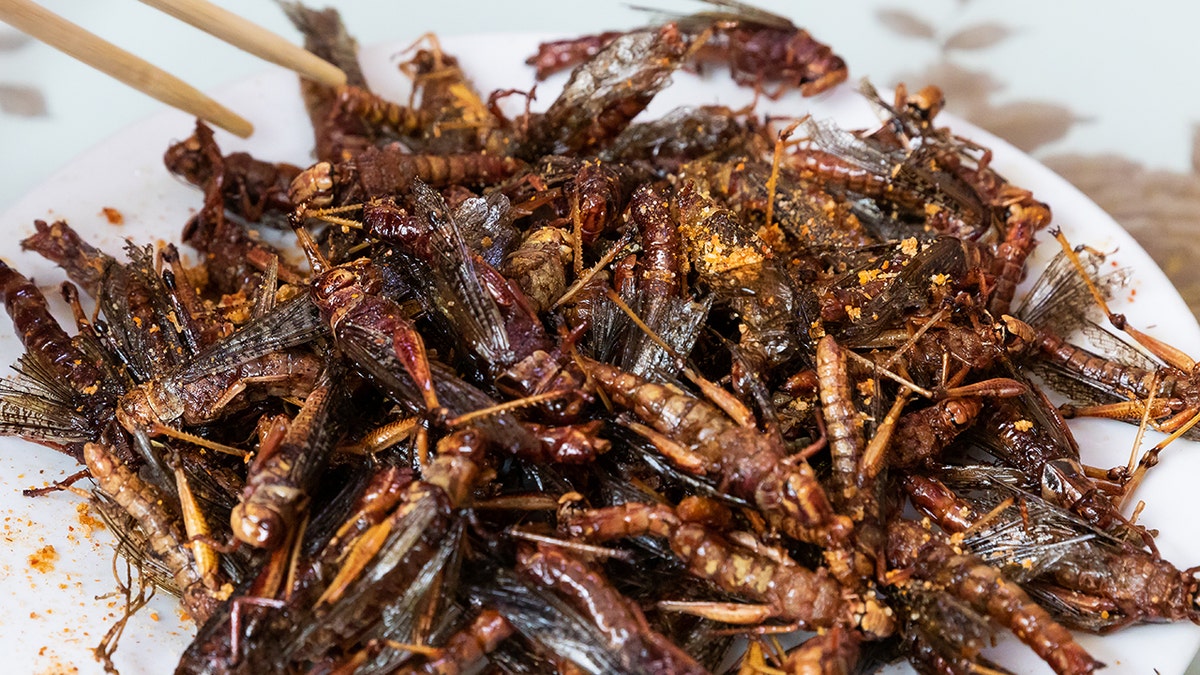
1099 95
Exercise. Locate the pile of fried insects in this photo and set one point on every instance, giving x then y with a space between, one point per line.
565 392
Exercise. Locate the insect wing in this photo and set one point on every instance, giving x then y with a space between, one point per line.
486 225
288 325
454 286
544 619
37 405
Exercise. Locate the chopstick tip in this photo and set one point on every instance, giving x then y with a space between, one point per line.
327 74
238 126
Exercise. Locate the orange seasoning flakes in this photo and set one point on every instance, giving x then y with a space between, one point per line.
114 216
867 276
43 559
90 524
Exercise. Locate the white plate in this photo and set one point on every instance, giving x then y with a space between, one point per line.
52 619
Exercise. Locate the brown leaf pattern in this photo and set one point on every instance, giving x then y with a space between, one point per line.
902 22
980 36
970 92
23 101
965 89
1027 124
1161 209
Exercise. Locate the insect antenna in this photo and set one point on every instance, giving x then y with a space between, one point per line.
316 260
930 323
133 602
332 215
1150 458
180 435
460 420
67 484
773 180
616 249
902 381
1173 356
588 549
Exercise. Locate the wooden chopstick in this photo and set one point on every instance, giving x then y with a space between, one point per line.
252 38
106 57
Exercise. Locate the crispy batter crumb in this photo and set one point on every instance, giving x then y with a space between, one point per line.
113 216
43 559
89 523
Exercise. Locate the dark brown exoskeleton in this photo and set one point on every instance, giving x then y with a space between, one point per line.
1113 380
40 333
285 471
377 112
922 435
698 437
559 55
782 588
607 92
148 508
759 47
235 258
391 170
253 189
337 135
349 299
65 388
1027 433
181 398
59 243
855 486
666 319
923 561
735 262
1017 215
1087 580
635 644
467 647
454 116
540 264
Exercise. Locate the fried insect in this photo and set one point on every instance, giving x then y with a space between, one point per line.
147 506
759 47
740 351
921 556
1055 555
251 188
783 589
699 437
608 91
629 636
284 472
